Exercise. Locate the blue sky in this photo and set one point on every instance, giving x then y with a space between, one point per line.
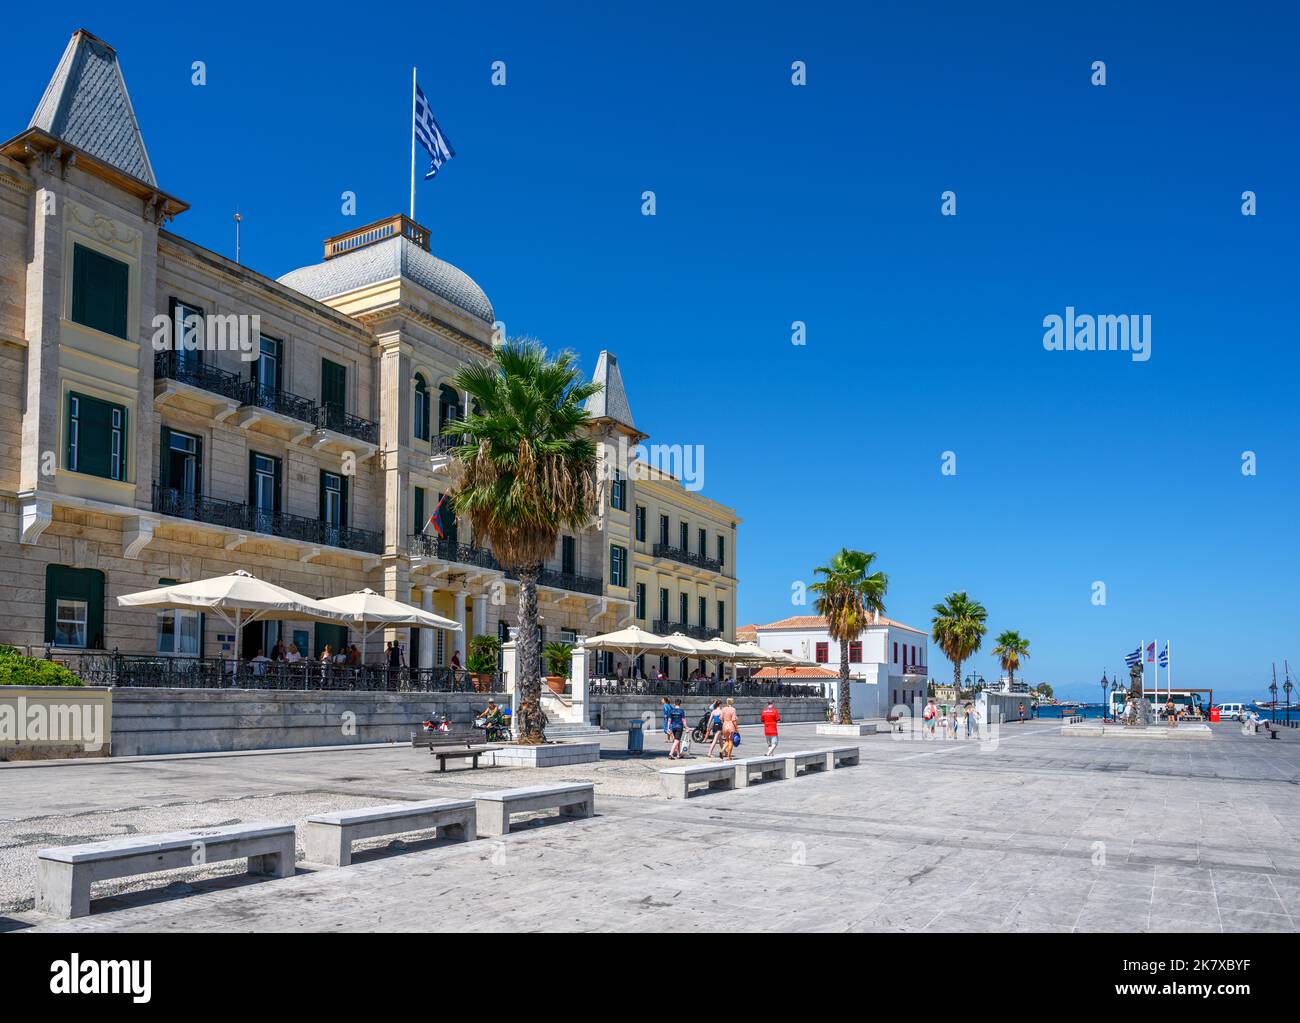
821 204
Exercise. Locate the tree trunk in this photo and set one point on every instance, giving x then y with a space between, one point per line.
956 676
846 711
532 719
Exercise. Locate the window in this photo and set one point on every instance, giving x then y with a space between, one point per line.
448 405
187 333
179 632
683 607
617 565
704 611
640 601
74 607
266 371
100 291
263 490
421 413
663 604
722 550
663 530
640 523
704 543
180 462
823 654
333 505
855 651
96 436
684 534
895 653
333 386
722 616
569 636
421 520
568 555
617 492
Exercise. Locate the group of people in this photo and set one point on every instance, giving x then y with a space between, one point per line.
1171 711
951 725
721 727
347 656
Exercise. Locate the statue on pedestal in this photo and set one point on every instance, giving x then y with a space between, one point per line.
1141 709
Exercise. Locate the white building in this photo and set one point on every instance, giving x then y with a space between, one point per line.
887 664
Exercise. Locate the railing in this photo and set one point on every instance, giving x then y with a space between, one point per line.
569 581
376 232
663 550
198 508
295 406
445 443
332 417
146 671
186 368
916 669
425 546
668 687
660 627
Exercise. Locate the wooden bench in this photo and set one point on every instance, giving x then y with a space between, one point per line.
495 808
329 836
843 756
761 767
810 760
677 781
64 875
456 744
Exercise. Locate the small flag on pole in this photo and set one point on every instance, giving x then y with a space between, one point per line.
1164 656
1134 657
443 519
1151 652
430 135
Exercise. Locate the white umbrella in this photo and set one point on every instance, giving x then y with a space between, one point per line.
368 608
237 599
634 641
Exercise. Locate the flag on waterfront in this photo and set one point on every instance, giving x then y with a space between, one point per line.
1134 657
429 135
1164 656
1151 652
443 519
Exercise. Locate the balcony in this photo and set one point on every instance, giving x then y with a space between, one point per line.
663 550
283 403
589 584
186 368
331 417
703 633
916 669
424 546
245 518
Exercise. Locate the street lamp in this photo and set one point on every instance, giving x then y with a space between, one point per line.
1105 688
1287 689
1273 690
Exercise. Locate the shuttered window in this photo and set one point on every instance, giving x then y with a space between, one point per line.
100 291
74 607
96 437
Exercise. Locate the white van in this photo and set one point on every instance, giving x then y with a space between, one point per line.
1231 711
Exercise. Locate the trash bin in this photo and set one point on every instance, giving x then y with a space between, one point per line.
1214 714
635 738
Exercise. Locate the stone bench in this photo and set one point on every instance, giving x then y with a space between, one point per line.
809 760
329 836
495 808
843 756
760 767
64 875
677 781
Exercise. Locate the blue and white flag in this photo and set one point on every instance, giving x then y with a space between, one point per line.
1164 656
430 135
1134 657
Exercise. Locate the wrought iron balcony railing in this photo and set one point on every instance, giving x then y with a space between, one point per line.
295 406
663 550
445 443
662 627
711 688
425 546
198 508
332 417
570 581
188 368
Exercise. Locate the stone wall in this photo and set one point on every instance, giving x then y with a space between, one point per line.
156 721
615 711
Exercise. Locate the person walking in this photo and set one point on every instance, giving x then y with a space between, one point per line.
1022 712
1171 712
667 709
952 722
771 717
928 716
727 719
714 731
677 724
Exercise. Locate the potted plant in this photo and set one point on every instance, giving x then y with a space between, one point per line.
482 661
558 656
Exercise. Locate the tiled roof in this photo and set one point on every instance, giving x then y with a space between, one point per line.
87 106
382 261
611 402
746 633
819 622
806 671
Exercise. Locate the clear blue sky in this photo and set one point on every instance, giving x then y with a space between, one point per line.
821 204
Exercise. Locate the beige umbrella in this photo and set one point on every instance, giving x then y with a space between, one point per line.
237 599
372 611
634 641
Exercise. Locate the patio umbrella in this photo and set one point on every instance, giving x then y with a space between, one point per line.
372 611
237 599
634 641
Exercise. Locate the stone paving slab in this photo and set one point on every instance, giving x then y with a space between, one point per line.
1040 833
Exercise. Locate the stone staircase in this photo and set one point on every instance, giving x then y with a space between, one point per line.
565 731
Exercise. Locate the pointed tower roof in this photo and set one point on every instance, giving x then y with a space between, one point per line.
611 402
86 105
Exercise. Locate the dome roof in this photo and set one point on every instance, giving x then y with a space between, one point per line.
384 260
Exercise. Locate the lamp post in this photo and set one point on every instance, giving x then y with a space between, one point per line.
1105 688
1273 690
1286 688
1114 688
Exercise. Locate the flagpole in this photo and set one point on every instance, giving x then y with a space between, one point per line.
413 143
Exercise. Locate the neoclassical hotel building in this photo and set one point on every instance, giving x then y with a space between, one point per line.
312 458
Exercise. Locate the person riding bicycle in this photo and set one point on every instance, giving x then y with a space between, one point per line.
492 720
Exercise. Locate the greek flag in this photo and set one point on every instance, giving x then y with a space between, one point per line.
1164 656
430 135
1134 657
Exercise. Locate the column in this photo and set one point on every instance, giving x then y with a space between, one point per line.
509 673
578 678
480 614
459 637
429 638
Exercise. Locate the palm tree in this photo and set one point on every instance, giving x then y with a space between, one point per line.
848 593
1011 650
958 627
526 471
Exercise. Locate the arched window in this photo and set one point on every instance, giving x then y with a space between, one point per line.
421 408
448 405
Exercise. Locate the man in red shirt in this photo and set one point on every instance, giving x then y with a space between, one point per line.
770 717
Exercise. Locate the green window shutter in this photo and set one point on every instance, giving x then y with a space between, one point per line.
322 496
252 479
333 383
75 584
419 510
100 291
198 467
343 502
164 459
95 436
278 481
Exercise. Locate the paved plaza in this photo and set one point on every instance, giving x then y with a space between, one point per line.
1040 833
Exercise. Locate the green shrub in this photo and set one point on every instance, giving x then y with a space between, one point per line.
483 652
19 670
